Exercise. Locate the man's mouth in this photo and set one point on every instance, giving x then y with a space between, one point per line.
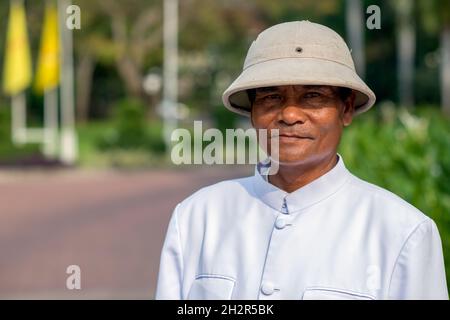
292 137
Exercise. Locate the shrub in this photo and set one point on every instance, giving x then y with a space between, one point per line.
131 130
408 154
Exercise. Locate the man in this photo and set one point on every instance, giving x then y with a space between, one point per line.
312 230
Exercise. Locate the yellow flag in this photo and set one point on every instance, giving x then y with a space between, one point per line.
17 63
47 74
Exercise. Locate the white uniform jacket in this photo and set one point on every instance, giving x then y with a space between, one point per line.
338 237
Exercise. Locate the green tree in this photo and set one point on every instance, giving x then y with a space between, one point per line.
117 33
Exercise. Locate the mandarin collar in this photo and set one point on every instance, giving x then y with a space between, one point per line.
308 195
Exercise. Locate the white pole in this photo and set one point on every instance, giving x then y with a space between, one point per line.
34 135
406 48
68 143
50 122
355 32
445 70
18 118
170 81
18 112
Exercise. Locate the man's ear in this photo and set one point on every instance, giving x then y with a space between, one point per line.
349 108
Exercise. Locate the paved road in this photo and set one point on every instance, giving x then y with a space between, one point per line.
111 224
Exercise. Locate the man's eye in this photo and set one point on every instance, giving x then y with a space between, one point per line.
272 97
313 95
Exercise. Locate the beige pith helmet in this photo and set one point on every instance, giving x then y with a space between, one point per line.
297 53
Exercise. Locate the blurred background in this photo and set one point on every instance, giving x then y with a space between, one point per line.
90 91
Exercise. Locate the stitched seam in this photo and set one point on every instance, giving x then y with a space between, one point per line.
321 200
342 64
179 241
218 276
347 180
378 191
352 293
400 253
258 197
214 276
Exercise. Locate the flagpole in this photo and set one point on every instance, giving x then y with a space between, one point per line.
18 112
50 122
18 118
170 76
68 144
17 73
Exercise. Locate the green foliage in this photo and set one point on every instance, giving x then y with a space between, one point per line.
408 154
223 118
129 130
8 151
96 150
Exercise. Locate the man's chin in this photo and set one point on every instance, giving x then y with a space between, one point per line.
291 160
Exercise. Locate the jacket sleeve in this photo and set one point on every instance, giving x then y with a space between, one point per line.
170 275
419 272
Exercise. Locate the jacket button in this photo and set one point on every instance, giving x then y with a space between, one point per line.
267 288
280 223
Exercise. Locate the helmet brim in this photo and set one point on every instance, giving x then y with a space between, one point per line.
296 71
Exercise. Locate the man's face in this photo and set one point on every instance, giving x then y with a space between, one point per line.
310 120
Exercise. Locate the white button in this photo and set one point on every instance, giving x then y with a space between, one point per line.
267 288
280 223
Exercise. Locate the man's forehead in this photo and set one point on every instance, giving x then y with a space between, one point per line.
297 87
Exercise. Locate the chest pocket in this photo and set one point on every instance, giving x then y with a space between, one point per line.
316 293
211 287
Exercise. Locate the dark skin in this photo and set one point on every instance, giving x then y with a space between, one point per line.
310 120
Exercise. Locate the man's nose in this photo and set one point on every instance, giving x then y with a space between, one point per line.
292 112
